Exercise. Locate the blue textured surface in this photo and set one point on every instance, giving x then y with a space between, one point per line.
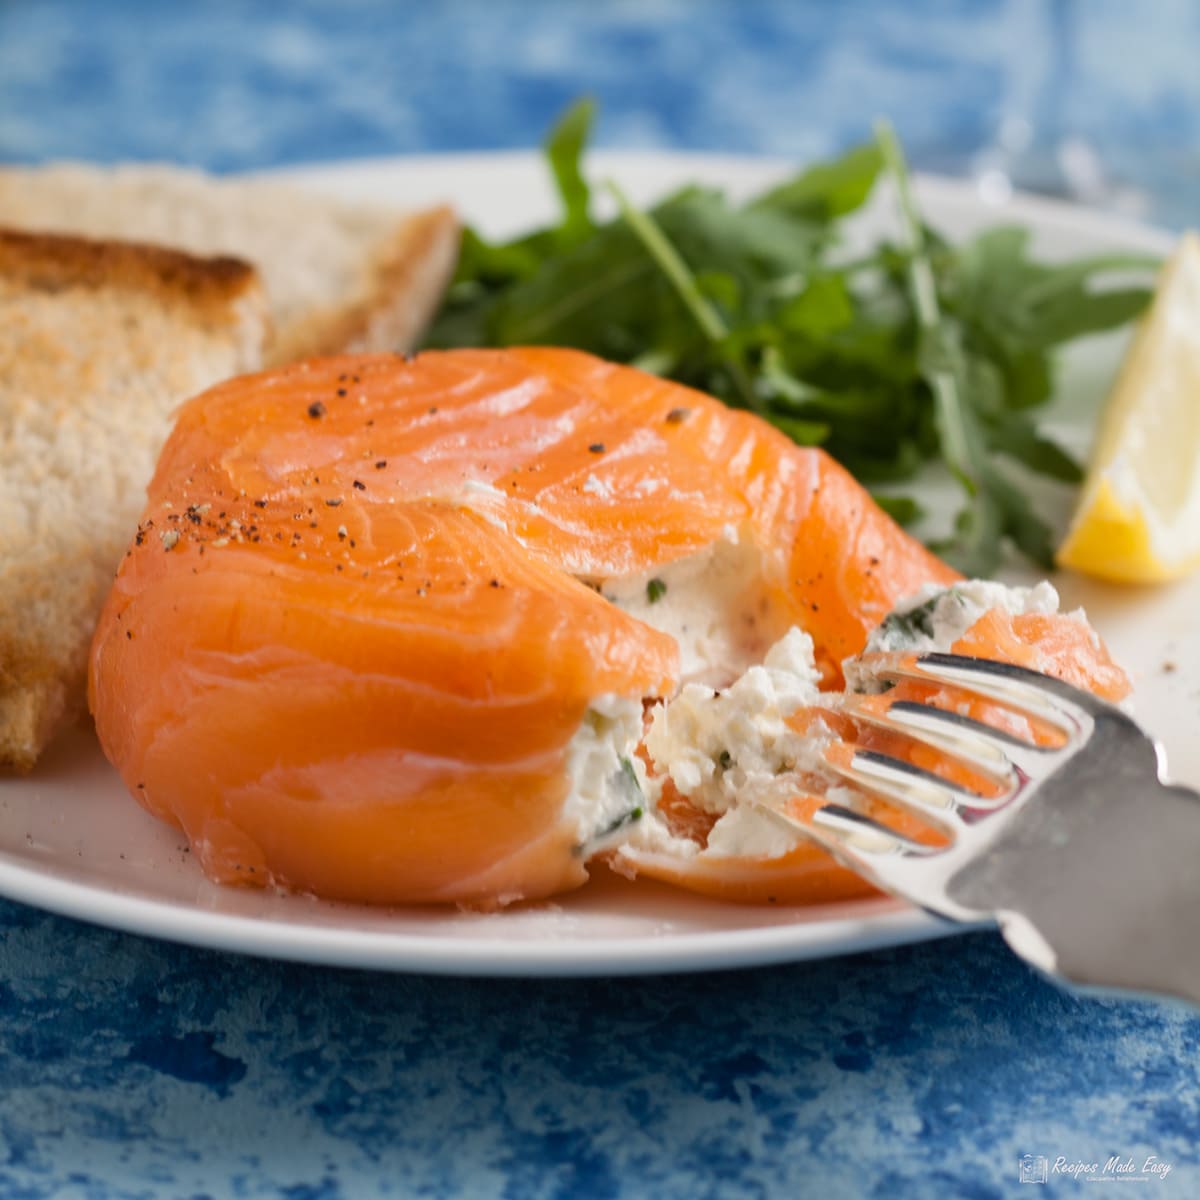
233 84
130 1068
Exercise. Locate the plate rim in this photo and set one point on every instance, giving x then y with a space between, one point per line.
1020 205
887 923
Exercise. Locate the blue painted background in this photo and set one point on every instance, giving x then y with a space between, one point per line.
234 84
135 1069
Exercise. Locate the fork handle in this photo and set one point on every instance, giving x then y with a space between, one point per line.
1110 902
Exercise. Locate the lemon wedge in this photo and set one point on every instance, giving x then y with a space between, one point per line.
1138 517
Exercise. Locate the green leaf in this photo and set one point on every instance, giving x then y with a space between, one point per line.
463 325
669 260
989 267
892 462
804 433
975 549
680 276
1072 314
754 244
904 510
1017 438
1017 304
830 189
564 149
1027 378
1051 280
780 386
721 288
822 309
574 298
1030 533
939 353
656 362
495 265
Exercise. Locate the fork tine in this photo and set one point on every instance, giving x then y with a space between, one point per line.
861 843
986 749
918 791
864 834
1062 705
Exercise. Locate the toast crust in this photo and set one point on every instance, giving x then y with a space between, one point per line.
99 342
408 276
339 275
47 261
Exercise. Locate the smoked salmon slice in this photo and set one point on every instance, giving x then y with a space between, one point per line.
389 626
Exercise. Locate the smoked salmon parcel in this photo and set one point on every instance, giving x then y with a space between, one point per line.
451 628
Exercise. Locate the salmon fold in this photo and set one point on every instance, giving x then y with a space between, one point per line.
368 614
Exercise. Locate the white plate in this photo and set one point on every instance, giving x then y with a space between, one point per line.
72 841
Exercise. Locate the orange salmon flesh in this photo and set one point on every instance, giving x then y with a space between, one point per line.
359 623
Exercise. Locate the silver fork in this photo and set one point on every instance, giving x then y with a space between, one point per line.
1088 861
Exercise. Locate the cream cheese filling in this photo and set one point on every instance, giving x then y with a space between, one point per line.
608 781
731 752
724 740
715 605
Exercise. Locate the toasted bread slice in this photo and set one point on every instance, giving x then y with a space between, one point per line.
339 276
99 342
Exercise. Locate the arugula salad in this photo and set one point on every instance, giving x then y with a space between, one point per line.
916 350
